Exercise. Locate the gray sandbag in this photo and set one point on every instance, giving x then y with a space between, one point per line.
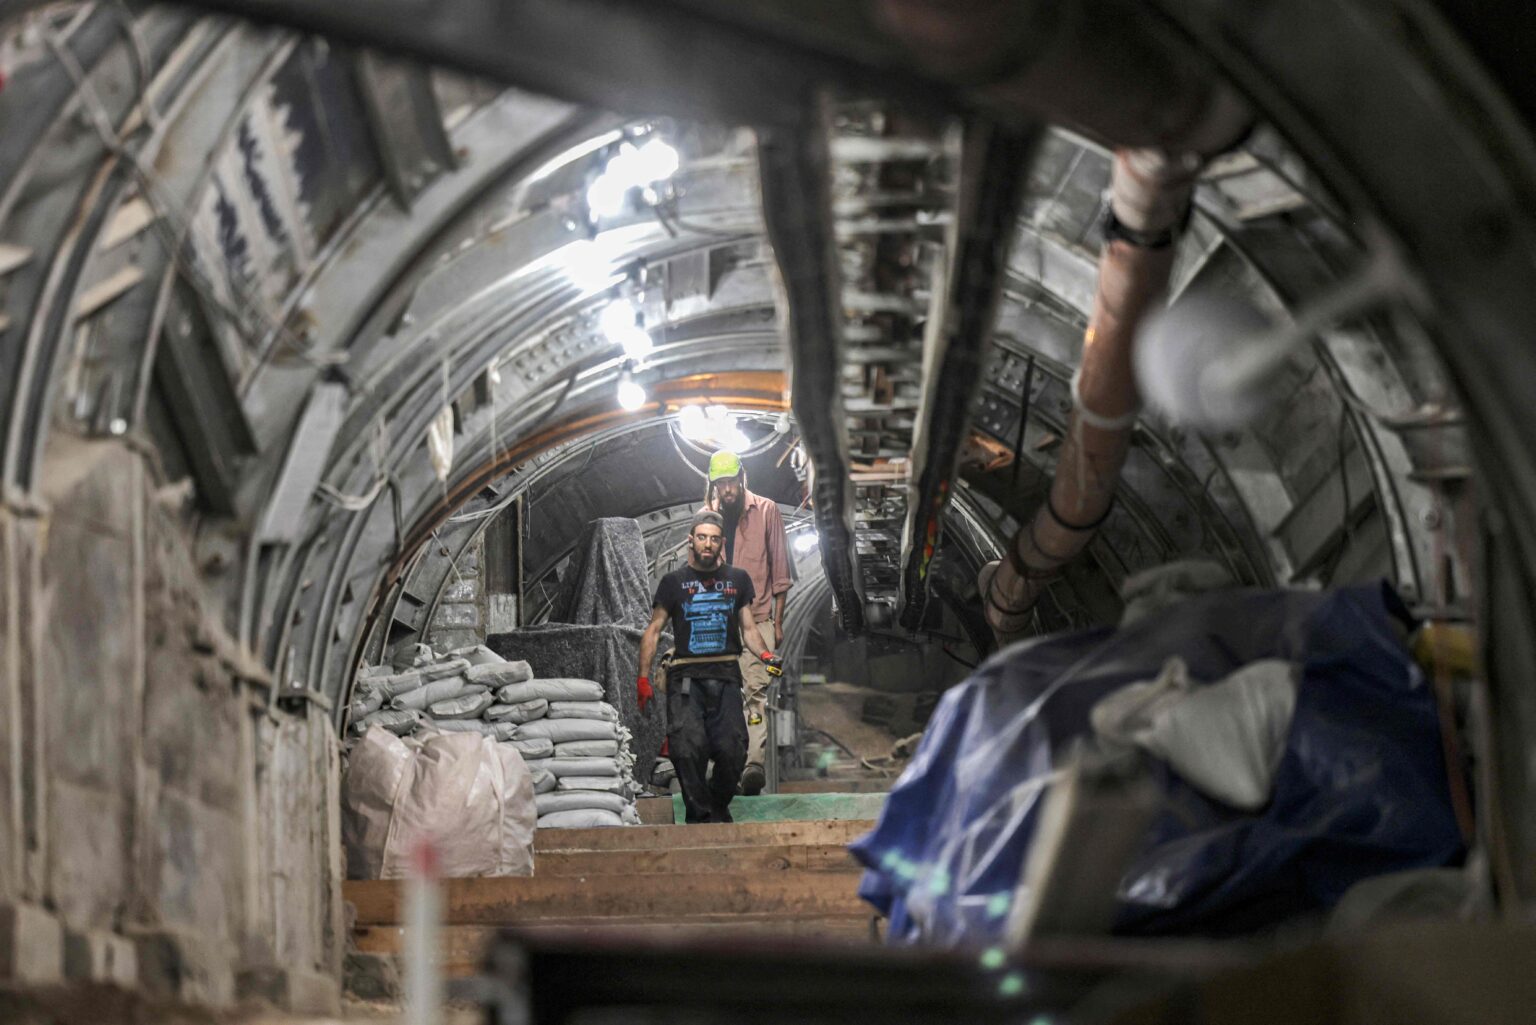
499 674
543 781
537 747
411 655
365 703
582 766
582 818
390 686
562 730
587 749
439 690
443 670
485 729
570 800
551 690
591 784
395 721
527 711
477 655
583 710
369 672
466 706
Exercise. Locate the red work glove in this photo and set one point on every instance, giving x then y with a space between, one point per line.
643 689
775 667
666 748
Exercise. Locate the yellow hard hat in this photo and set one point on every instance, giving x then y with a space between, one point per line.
722 464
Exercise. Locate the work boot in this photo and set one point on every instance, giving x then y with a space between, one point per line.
753 780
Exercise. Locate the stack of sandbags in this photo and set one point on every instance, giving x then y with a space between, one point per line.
588 777
449 692
578 751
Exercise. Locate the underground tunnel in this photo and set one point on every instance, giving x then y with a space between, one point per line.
1079 348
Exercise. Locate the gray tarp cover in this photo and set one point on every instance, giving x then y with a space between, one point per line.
603 606
608 580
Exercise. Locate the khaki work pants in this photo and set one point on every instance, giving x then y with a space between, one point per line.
754 700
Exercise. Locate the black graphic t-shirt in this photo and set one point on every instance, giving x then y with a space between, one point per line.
706 617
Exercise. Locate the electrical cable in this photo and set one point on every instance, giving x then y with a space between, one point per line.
511 496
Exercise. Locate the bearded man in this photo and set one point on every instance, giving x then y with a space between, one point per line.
755 541
710 607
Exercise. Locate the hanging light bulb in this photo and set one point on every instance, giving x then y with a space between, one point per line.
631 168
619 326
693 425
631 395
587 263
605 196
655 161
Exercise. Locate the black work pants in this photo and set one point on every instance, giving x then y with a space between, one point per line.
706 724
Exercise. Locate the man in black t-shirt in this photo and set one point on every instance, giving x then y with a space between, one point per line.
710 606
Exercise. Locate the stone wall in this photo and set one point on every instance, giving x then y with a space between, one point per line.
460 618
165 824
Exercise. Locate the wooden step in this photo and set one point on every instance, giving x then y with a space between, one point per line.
515 901
824 857
737 834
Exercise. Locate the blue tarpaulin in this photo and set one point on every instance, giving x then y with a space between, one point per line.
1361 788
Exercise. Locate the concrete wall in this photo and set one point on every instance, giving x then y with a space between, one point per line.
164 824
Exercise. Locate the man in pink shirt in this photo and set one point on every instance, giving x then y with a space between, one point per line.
754 542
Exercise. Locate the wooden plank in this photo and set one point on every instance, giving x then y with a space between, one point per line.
461 946
515 900
655 811
640 838
756 858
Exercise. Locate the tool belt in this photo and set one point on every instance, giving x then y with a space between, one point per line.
670 662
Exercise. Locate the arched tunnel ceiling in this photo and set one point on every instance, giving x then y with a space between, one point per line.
267 263
351 268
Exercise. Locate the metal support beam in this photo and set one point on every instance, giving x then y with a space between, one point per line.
408 131
797 211
994 173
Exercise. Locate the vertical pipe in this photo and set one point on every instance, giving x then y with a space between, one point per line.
1150 198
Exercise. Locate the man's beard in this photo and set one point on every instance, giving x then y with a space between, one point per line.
732 505
707 560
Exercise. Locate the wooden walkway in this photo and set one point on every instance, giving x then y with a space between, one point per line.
789 880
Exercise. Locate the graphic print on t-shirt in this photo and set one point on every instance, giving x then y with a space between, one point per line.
704 608
709 620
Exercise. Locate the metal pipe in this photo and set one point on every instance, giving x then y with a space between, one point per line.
1149 202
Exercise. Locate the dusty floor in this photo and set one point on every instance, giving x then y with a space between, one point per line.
836 708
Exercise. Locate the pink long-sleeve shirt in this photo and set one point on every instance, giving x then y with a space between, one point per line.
762 550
